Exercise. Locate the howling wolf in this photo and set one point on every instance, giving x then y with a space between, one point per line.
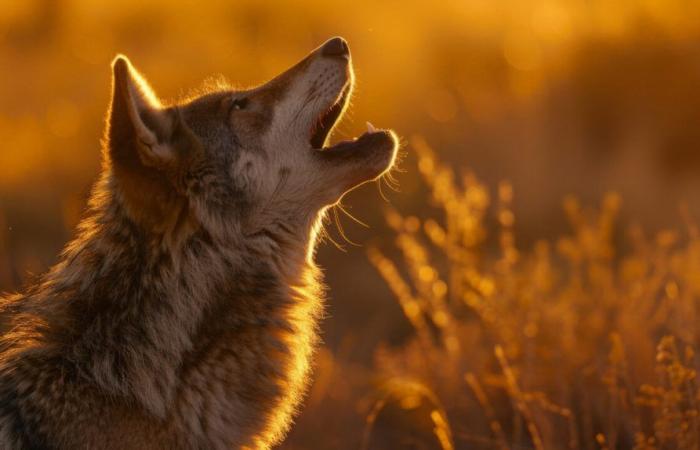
184 314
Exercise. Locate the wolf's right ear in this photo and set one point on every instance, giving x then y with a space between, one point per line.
139 127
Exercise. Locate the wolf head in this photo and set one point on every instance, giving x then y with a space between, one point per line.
253 162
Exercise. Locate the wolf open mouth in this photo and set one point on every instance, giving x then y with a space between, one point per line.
327 121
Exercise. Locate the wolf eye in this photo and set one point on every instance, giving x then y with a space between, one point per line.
239 103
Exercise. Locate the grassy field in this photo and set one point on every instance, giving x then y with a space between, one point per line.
575 343
584 341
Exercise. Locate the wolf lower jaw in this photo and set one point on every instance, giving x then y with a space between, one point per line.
118 349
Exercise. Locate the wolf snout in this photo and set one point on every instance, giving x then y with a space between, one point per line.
336 47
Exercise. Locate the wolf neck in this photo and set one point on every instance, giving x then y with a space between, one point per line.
140 308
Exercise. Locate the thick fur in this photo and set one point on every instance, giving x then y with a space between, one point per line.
184 314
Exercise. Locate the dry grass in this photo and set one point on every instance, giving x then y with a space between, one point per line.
580 343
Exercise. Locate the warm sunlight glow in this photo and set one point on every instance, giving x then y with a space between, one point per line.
527 275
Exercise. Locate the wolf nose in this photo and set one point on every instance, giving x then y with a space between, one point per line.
336 47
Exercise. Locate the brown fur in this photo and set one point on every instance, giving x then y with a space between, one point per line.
184 313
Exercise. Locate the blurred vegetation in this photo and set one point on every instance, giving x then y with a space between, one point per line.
583 341
573 344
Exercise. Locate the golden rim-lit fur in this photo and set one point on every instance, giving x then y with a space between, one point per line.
184 314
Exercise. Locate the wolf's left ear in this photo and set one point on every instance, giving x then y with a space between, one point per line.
140 128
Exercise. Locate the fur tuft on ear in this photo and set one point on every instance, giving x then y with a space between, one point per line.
139 126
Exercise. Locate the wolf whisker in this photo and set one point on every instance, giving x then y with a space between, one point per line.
339 226
342 208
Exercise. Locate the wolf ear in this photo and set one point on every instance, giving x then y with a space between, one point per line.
139 127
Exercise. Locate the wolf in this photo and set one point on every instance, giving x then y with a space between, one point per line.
184 314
